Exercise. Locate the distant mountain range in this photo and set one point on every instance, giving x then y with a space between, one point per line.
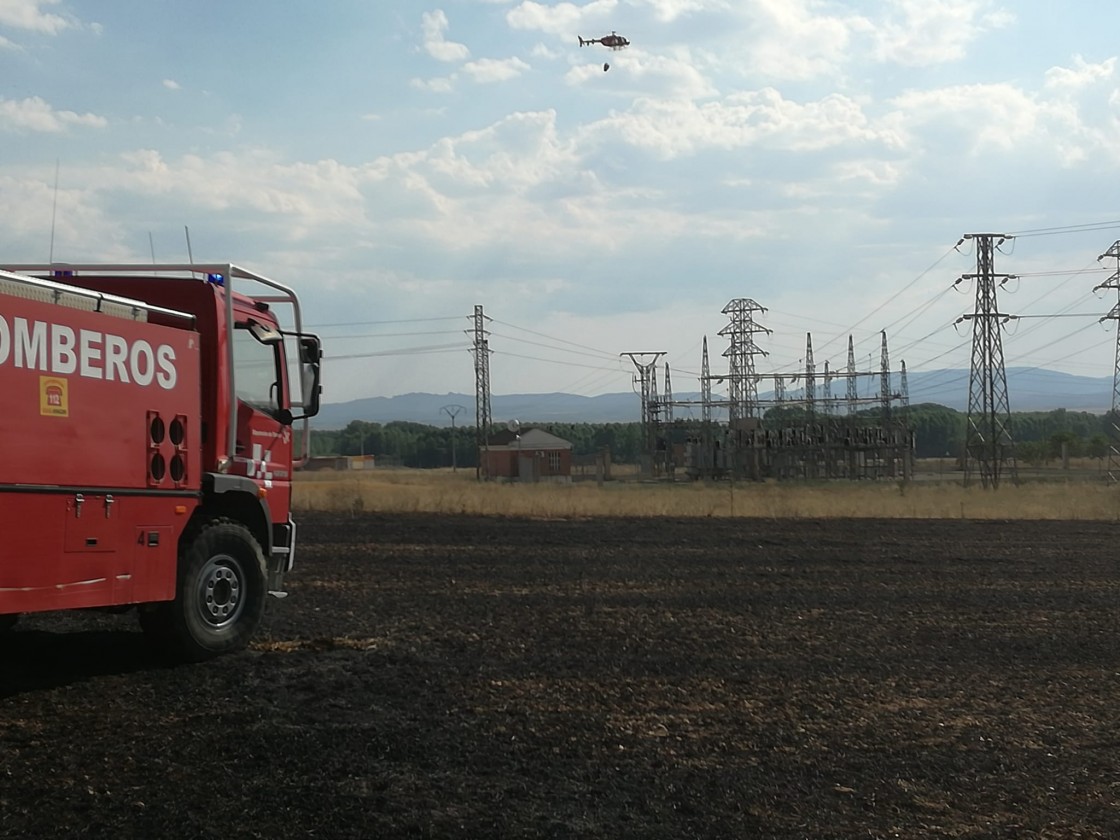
1029 389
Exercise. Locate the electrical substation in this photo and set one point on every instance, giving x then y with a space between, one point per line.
810 424
792 431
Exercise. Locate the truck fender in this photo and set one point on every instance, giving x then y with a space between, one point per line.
238 497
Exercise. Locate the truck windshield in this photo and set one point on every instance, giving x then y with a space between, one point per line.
256 370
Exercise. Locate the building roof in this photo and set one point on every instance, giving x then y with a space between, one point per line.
530 439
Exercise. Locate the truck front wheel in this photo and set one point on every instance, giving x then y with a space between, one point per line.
219 597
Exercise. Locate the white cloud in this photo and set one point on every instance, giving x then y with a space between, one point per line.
541 51
171 84
1047 125
516 185
69 223
433 25
793 39
927 32
673 76
1082 74
440 84
34 114
494 70
803 40
657 75
562 19
671 129
32 15
978 117
565 18
873 172
310 196
518 152
668 11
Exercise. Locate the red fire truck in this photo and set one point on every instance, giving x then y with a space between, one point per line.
153 416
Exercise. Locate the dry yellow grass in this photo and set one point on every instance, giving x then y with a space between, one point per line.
447 492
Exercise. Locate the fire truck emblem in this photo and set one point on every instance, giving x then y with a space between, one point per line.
259 468
54 397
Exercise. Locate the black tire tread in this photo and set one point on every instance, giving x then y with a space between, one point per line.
171 625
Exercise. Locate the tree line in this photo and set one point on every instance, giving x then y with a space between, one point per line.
938 432
422 446
1039 435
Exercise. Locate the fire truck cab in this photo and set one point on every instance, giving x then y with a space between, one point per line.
153 419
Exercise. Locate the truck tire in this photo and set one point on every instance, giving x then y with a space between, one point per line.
219 598
8 621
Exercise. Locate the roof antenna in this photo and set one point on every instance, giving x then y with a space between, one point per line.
54 210
152 246
190 256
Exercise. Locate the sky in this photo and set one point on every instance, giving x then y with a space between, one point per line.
399 163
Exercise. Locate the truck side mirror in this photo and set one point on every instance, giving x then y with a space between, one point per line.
310 353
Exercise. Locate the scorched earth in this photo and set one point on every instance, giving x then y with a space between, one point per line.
457 676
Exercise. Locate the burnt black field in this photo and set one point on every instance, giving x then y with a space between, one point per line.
446 676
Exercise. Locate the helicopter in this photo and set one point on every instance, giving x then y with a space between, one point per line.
614 41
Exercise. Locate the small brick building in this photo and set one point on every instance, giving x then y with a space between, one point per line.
528 455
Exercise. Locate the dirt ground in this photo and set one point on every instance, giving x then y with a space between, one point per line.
442 676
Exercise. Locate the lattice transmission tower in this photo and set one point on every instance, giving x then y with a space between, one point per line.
668 401
885 381
481 352
827 390
903 391
852 394
705 388
989 445
810 379
647 386
1113 282
742 385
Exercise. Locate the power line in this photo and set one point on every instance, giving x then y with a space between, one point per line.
594 355
392 335
1073 272
1053 231
552 338
373 323
410 351
548 361
893 297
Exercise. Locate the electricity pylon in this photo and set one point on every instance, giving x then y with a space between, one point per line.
885 381
481 352
989 445
827 389
647 384
1113 282
742 385
852 394
810 379
705 388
